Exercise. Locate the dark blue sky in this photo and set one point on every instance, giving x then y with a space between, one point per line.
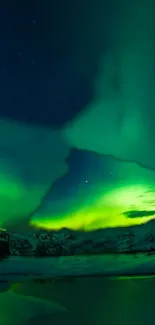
49 54
46 67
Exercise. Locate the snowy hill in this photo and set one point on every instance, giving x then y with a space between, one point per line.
66 242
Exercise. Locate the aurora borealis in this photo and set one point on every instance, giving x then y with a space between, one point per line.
104 193
119 120
28 167
92 164
89 190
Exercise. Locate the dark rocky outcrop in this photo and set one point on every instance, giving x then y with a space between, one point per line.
4 244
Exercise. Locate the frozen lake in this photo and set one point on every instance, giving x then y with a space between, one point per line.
20 268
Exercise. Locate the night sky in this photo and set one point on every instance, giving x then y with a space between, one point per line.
76 114
45 65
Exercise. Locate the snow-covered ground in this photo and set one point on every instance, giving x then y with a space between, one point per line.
25 268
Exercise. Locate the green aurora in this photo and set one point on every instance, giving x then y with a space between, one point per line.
118 124
119 121
105 202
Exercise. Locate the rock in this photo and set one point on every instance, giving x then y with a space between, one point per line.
4 244
22 245
63 236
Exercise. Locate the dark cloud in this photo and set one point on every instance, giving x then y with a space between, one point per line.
139 214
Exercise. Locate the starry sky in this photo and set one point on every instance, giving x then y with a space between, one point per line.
43 58
76 114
